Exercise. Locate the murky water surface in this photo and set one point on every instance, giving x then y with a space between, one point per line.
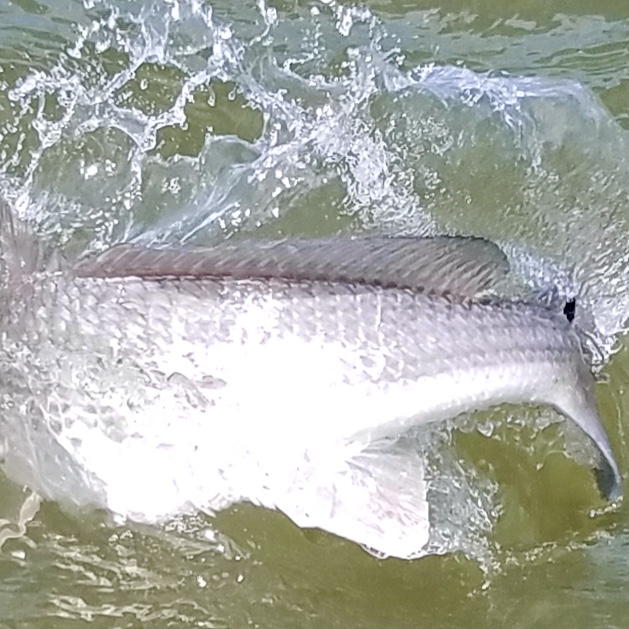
190 122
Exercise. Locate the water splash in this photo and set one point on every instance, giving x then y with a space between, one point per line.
184 122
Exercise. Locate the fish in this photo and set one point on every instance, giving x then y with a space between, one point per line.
158 381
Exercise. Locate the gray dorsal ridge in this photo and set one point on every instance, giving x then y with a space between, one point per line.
464 266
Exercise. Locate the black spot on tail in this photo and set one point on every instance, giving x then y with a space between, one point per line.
570 309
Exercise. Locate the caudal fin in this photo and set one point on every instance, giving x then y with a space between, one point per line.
578 403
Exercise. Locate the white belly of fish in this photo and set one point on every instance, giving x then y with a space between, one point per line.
280 411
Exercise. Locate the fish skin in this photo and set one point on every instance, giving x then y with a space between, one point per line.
241 380
157 382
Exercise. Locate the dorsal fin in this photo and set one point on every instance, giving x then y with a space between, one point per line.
21 251
458 265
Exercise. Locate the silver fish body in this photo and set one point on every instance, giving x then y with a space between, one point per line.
154 394
309 362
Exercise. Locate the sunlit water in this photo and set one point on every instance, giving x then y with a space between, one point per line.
189 122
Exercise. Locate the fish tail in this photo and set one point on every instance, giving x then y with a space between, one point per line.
579 404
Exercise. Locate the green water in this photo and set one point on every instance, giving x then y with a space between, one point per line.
191 122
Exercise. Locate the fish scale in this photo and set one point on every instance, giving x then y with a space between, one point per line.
155 394
212 317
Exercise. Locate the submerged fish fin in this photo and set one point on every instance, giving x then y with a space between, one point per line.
608 476
578 404
459 265
376 498
21 251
